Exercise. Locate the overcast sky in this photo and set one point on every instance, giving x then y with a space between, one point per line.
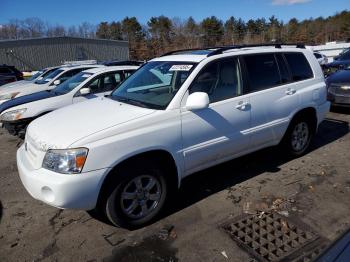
73 12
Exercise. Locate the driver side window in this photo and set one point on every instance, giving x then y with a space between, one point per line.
95 85
221 80
111 81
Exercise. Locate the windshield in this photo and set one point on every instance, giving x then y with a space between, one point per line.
35 76
71 83
345 56
154 85
49 77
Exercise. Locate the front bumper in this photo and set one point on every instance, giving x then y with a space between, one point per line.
339 99
79 191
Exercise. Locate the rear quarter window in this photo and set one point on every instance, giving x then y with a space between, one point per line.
299 66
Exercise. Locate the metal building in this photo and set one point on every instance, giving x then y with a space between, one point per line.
37 53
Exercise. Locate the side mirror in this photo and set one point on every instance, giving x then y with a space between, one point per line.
197 101
85 91
57 82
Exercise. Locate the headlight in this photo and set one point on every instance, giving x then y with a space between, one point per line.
345 87
9 96
13 115
65 161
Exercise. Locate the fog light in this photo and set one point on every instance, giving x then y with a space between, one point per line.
47 194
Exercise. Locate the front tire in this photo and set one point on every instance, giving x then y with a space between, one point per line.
138 197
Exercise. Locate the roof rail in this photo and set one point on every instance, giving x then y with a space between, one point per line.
220 49
123 62
188 50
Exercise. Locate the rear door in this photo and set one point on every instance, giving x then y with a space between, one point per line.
273 97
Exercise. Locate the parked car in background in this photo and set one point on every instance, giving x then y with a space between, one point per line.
338 86
48 82
9 74
321 58
340 62
341 53
16 114
176 115
37 76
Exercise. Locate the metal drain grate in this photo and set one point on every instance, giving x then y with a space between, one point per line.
269 237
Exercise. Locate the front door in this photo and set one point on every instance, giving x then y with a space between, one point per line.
217 133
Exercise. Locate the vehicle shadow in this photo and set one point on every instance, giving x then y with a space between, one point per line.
341 110
200 185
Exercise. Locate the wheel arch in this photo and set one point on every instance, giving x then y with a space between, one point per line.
309 113
164 157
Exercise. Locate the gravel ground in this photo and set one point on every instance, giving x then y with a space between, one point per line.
314 189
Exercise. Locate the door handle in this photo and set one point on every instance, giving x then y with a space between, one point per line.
242 105
290 91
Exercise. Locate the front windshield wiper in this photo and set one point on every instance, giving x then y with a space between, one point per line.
129 101
135 102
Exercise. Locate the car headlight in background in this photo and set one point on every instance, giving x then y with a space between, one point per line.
345 87
13 115
65 161
8 96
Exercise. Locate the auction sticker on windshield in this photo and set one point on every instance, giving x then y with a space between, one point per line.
181 68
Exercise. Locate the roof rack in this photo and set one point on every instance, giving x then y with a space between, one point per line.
220 49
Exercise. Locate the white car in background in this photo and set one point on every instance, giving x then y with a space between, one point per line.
16 114
48 82
321 58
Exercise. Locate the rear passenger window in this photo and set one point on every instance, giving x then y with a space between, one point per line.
285 76
221 80
299 66
262 71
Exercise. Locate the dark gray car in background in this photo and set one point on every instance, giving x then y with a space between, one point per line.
338 86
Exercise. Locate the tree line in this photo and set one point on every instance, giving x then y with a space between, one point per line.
162 34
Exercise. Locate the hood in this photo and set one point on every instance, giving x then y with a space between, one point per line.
13 87
26 99
24 89
338 63
61 128
20 82
341 76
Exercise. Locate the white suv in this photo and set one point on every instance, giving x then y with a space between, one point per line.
178 114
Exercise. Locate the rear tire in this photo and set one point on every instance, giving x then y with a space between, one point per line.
137 196
298 137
